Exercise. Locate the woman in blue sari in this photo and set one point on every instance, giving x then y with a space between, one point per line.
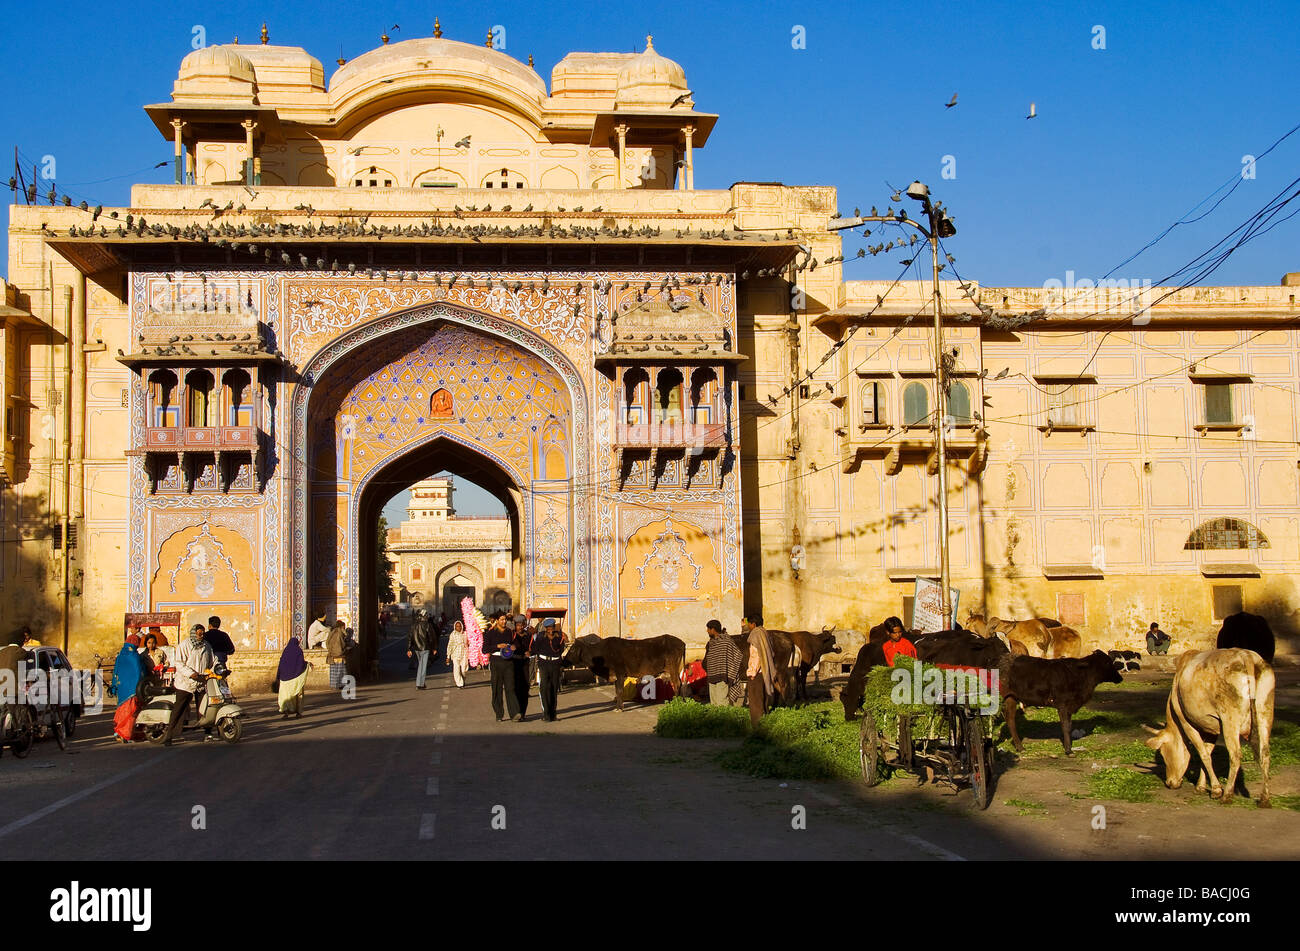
292 676
127 669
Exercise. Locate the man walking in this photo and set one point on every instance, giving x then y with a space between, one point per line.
498 644
192 658
761 668
417 646
548 648
522 645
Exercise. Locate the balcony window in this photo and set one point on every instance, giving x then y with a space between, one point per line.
704 385
916 404
873 404
199 386
636 385
670 396
162 399
1065 404
239 408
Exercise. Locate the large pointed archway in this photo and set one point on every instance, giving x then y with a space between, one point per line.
438 387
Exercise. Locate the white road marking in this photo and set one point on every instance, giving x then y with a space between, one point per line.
435 759
936 850
431 787
426 825
75 797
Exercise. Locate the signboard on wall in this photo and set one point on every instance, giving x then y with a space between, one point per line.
165 625
927 605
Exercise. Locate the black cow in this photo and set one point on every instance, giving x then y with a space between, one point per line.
959 648
1066 683
812 647
1249 631
617 658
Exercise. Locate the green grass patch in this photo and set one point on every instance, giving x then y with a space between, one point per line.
1116 782
681 719
1134 751
1027 807
811 742
1283 743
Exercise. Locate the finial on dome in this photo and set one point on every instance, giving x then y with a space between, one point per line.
437 29
383 38
266 37
488 43
649 42
236 39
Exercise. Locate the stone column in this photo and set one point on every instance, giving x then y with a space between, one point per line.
622 150
689 133
250 177
178 125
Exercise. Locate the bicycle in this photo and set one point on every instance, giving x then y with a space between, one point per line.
54 719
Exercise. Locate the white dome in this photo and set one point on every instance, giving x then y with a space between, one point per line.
650 79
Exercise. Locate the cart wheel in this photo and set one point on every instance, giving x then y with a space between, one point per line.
905 741
869 750
977 750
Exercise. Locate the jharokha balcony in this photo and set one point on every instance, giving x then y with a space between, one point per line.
662 438
215 438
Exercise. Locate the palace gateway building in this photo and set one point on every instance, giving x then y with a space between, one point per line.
436 260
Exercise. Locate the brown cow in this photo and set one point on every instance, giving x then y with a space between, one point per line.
1226 693
976 624
1066 683
811 648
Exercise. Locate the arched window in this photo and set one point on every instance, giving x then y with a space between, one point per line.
503 179
636 386
669 396
704 388
1225 534
162 399
959 403
198 384
238 394
373 177
873 403
916 404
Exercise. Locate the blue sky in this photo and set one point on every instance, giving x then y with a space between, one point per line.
1126 141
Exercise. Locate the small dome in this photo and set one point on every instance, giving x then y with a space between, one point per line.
649 79
217 62
216 73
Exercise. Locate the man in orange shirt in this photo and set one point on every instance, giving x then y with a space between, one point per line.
897 643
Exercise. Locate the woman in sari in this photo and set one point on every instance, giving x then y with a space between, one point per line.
458 652
292 677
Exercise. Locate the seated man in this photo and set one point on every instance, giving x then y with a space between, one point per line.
1157 640
896 644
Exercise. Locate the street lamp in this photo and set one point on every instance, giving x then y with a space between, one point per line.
940 226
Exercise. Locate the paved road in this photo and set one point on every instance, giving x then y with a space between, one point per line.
406 774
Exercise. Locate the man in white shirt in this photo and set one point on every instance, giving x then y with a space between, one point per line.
192 658
317 633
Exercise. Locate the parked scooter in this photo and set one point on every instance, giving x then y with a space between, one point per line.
217 709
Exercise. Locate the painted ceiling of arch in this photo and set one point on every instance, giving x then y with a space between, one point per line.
501 395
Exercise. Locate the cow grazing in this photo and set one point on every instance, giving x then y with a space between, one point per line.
809 650
1248 631
871 654
1064 683
617 658
1226 693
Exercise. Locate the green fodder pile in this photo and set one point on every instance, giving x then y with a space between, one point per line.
811 742
888 693
682 719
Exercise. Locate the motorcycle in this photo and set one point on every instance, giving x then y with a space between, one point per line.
217 709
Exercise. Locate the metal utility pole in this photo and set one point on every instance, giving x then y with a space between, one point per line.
941 226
